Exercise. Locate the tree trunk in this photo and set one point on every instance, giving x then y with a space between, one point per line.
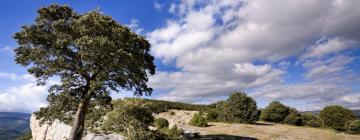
79 121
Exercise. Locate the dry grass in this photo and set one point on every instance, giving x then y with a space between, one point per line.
268 131
261 131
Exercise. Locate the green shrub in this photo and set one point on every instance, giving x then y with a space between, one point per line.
310 120
242 109
222 111
212 115
275 112
335 116
124 117
141 134
294 118
174 133
238 108
161 123
353 127
198 120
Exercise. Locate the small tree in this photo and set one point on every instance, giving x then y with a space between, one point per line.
335 116
212 115
242 108
91 53
198 120
311 120
275 112
294 118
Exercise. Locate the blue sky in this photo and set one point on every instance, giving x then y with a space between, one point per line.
303 53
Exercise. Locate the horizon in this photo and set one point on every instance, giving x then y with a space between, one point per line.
304 54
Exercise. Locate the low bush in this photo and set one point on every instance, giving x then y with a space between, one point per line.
335 116
353 127
212 115
310 120
174 133
275 112
294 118
198 120
141 134
161 123
133 121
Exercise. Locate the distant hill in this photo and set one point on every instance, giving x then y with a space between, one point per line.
13 124
357 112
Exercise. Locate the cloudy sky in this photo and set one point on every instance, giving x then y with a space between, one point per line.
304 53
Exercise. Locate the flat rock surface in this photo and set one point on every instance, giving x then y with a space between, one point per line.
60 131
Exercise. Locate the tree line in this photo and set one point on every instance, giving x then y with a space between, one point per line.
240 108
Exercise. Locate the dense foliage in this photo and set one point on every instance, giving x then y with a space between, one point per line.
242 108
294 118
275 112
238 108
91 53
161 123
335 116
353 127
128 117
199 120
311 120
212 115
174 133
133 116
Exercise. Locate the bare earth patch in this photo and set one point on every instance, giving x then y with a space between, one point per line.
261 131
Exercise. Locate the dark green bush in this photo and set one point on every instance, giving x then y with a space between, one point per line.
128 117
353 127
275 112
174 133
212 115
161 123
141 134
238 108
198 120
335 116
242 108
294 118
310 120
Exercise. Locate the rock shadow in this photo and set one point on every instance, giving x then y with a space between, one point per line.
261 123
223 137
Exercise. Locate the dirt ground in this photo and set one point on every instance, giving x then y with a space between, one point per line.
268 131
260 131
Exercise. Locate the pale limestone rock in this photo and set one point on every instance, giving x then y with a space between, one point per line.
60 131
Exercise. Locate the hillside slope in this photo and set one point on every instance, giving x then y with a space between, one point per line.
13 124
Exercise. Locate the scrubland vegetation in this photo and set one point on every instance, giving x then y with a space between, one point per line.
134 117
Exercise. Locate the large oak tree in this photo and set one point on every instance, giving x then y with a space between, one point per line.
91 53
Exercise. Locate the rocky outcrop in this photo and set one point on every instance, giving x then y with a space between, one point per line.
181 118
60 131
